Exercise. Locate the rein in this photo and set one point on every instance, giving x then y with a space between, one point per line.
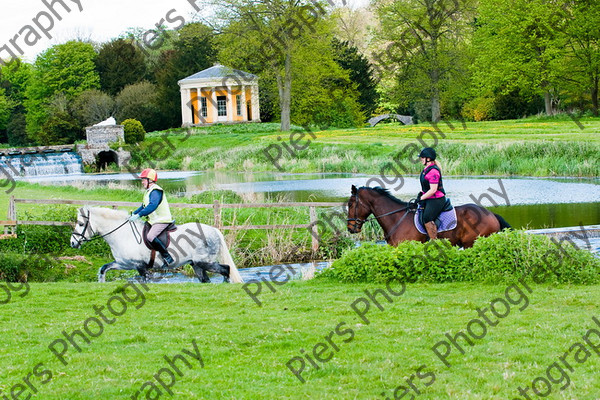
82 239
375 217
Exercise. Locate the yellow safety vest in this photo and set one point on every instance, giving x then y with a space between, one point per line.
162 214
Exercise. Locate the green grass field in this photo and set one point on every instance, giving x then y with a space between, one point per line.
246 351
533 147
244 348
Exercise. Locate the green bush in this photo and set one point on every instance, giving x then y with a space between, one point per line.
50 239
480 109
503 257
33 267
134 131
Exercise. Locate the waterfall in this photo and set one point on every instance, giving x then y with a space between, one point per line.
39 164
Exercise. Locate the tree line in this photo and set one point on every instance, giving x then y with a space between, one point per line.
433 59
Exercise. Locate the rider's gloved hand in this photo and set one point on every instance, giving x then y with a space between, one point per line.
419 201
134 217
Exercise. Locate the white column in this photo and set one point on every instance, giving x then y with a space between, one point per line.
244 106
199 110
255 103
229 105
186 107
213 101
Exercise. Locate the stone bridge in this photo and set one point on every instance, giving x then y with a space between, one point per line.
405 119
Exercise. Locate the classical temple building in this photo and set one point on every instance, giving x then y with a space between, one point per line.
219 94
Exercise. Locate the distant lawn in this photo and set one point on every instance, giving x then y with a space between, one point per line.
245 348
532 147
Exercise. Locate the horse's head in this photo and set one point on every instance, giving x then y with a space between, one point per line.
358 210
83 228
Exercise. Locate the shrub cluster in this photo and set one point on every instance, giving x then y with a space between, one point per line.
503 257
134 131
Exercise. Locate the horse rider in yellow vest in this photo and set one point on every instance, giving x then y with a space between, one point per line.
156 207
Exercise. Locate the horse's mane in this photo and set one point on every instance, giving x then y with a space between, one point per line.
107 213
386 193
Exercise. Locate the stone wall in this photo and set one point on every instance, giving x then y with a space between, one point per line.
99 135
98 140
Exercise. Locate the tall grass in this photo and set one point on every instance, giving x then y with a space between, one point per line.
531 147
249 248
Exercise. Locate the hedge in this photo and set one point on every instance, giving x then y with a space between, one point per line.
503 257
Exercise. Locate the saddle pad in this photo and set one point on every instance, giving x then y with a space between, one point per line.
447 221
164 236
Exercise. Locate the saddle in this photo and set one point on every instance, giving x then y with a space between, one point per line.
164 236
446 221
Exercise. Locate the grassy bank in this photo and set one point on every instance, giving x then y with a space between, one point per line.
532 147
245 348
249 248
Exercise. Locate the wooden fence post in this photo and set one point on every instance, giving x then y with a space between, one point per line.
12 216
217 214
313 229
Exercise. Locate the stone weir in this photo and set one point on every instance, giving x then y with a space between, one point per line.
65 148
67 158
97 150
39 161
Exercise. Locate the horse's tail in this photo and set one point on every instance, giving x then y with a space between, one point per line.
503 223
225 255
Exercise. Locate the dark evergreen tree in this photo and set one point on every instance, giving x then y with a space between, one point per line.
361 73
194 50
120 63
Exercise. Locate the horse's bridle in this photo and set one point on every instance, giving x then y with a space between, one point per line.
82 239
362 221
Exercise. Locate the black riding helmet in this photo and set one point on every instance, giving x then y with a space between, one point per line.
428 152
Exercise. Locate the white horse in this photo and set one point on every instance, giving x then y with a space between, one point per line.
193 243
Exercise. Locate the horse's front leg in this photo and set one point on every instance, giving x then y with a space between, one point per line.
143 271
104 269
200 270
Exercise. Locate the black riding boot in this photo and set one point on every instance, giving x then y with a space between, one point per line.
162 249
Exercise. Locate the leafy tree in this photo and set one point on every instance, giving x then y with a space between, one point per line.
14 78
120 63
6 106
323 93
426 42
67 68
361 73
193 51
134 131
15 130
93 106
520 46
583 47
60 128
352 26
273 31
140 101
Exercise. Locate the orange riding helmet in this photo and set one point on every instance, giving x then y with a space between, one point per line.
150 174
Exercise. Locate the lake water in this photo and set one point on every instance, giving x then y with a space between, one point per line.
524 202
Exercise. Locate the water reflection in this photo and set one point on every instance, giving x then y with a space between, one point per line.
295 271
534 202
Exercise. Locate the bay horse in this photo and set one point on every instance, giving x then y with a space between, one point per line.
396 218
193 243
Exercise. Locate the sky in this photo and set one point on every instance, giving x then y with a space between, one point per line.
99 20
